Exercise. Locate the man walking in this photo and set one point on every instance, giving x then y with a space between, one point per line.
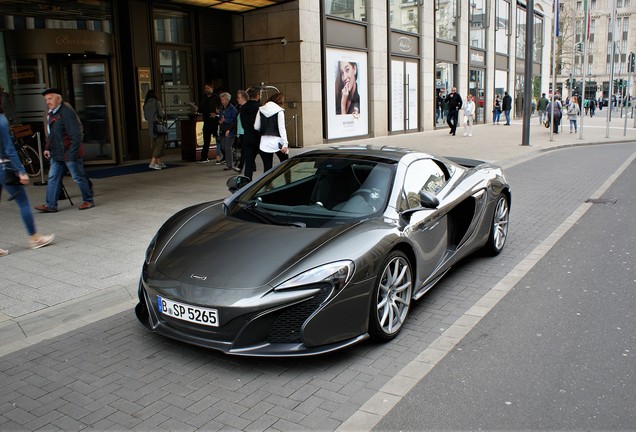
65 151
208 108
541 106
454 101
506 106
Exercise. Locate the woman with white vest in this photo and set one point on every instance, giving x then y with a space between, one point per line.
270 121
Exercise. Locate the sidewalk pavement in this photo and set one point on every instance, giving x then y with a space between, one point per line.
91 271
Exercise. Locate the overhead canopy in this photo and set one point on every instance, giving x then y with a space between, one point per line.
232 5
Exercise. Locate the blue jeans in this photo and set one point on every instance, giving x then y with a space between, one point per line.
18 193
496 115
57 171
573 124
507 114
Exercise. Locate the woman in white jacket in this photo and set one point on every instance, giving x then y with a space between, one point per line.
270 121
469 115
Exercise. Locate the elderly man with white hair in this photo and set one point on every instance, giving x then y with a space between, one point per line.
64 150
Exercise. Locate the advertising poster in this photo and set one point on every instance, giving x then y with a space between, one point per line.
347 99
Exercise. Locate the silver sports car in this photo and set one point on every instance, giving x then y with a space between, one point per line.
323 251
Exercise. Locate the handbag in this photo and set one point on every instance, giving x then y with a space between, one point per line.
160 128
11 176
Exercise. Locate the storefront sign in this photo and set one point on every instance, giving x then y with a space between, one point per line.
347 100
477 58
404 45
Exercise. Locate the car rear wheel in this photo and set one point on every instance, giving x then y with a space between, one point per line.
499 227
391 297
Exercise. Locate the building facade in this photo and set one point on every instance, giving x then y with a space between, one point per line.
350 69
603 38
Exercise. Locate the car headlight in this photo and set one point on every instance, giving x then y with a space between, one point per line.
336 273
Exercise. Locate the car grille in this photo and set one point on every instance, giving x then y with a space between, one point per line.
287 327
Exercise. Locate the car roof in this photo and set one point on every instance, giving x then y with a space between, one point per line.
384 153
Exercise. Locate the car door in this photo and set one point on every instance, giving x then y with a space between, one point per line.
427 228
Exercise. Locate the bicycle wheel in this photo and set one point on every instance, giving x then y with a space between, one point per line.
30 160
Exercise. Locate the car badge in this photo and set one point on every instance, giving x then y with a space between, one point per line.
198 277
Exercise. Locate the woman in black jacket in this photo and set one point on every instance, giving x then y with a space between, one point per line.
251 137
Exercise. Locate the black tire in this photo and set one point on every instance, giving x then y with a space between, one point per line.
30 159
391 298
498 227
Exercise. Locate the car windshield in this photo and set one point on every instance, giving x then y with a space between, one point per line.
317 192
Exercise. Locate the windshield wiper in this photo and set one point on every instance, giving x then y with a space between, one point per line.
265 216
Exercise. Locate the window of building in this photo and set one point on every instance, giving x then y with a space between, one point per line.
502 26
446 20
593 5
349 9
404 15
537 46
478 17
172 26
521 32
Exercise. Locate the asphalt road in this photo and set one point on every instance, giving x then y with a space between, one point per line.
559 351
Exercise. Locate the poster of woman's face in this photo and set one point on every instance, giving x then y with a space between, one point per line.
346 96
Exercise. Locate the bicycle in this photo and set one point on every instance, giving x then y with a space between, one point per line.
27 154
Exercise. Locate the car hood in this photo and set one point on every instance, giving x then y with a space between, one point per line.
219 251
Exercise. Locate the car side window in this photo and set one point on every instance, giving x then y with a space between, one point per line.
424 175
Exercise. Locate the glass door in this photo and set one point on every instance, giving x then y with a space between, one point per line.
404 101
86 86
176 88
476 88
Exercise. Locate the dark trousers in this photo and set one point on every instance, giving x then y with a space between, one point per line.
268 159
452 120
209 129
249 152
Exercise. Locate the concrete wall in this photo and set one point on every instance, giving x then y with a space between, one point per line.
294 67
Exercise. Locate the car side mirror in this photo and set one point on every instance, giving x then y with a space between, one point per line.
235 183
428 200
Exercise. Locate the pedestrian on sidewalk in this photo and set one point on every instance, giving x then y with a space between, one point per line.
592 107
251 137
555 105
270 121
496 111
154 114
573 113
469 115
454 101
208 108
227 130
506 106
9 160
541 106
65 151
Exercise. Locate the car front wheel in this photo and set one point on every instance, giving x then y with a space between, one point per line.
391 297
499 227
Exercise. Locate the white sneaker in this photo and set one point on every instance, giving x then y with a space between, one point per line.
154 166
41 241
465 134
4 252
470 134
162 165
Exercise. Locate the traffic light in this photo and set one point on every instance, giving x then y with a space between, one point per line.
632 63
